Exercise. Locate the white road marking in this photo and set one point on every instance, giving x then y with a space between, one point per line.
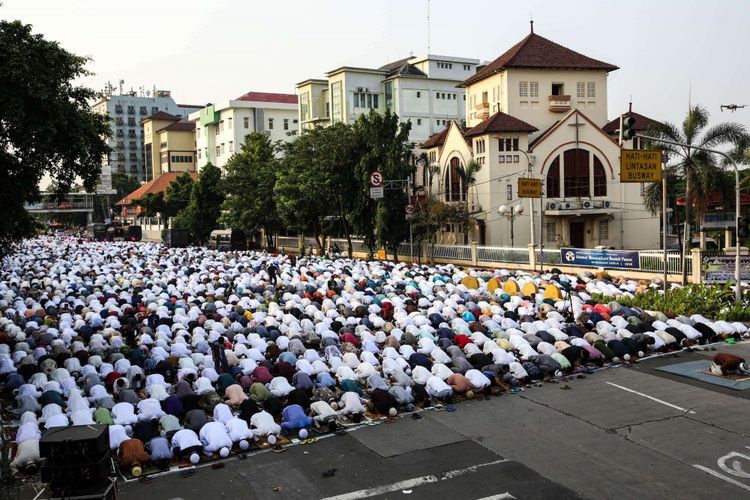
722 476
411 483
651 398
499 496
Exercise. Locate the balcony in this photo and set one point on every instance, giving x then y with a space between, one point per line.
482 110
559 103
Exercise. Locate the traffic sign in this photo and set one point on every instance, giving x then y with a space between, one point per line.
376 179
529 188
409 209
376 193
640 165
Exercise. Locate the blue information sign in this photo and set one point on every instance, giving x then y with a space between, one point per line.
612 259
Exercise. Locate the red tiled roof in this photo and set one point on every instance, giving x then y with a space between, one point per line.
717 199
641 123
500 122
155 185
535 51
161 115
436 139
268 97
180 126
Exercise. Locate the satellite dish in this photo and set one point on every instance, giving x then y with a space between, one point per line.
148 93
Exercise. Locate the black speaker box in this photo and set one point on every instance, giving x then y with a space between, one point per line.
74 445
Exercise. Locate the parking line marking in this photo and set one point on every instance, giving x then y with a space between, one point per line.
722 476
410 483
650 397
499 496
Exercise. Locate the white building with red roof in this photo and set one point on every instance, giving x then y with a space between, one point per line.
220 128
542 104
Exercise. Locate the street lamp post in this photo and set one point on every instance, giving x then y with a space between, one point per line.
511 213
530 161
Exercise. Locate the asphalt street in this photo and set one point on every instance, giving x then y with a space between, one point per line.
619 433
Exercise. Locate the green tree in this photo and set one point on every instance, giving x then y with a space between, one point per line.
203 211
123 185
46 125
700 169
385 146
250 203
431 215
177 195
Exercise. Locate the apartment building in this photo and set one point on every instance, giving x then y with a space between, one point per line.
127 110
169 144
220 129
422 90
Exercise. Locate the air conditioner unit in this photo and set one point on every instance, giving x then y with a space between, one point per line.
607 204
588 204
360 89
552 205
566 205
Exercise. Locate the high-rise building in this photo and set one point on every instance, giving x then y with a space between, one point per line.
126 111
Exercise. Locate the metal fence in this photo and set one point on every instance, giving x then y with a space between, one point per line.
503 254
653 260
454 252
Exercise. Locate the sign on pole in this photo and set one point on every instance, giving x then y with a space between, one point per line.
640 165
376 179
529 188
376 193
409 209
720 269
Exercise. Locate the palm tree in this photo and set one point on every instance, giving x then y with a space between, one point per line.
700 169
468 176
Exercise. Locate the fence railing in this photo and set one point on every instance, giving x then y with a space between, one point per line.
503 254
650 261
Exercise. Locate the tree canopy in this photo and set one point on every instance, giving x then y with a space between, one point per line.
201 215
250 203
46 125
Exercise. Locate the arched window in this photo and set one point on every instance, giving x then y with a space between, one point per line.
576 173
600 178
553 179
454 189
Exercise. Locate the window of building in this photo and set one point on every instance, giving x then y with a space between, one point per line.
419 121
231 146
154 109
558 89
509 191
603 230
221 126
437 96
533 89
553 179
295 121
576 163
501 159
551 230
580 90
216 130
523 89
508 144
600 178
218 150
199 154
591 89
222 148
336 98
118 108
454 97
246 122
198 133
419 94
143 110
479 145
229 123
467 67
131 122
454 188
131 110
270 124
286 123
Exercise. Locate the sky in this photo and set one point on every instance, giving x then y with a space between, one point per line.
670 51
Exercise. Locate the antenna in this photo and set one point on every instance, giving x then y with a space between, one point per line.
428 27
122 82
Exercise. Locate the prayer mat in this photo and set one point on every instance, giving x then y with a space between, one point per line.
699 370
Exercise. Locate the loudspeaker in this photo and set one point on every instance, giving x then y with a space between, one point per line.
135 233
75 457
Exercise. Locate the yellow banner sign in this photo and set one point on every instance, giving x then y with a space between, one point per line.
640 165
529 188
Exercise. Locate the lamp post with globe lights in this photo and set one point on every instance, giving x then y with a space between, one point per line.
510 213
